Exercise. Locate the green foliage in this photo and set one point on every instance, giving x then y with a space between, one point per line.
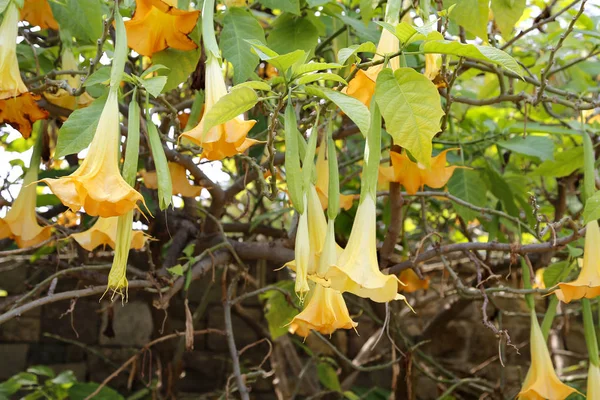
82 18
473 16
467 185
180 65
541 147
278 310
165 189
237 102
292 33
506 14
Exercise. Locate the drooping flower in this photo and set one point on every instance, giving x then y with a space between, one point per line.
587 283
20 223
117 278
17 106
362 86
322 184
180 183
541 381
97 185
104 232
302 254
326 310
39 13
158 24
64 99
357 270
223 140
412 282
413 176
593 382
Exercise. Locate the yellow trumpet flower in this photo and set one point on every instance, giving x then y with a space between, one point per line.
587 283
326 310
158 24
17 106
362 86
322 184
39 13
104 232
593 383
413 176
412 281
223 140
302 254
357 270
64 99
20 223
432 66
117 277
97 185
181 184
541 381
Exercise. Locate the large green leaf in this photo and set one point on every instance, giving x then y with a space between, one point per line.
473 16
293 33
541 147
353 108
565 163
82 18
410 106
467 185
278 311
282 62
230 106
78 131
292 6
180 65
501 189
506 15
346 53
485 53
591 211
238 26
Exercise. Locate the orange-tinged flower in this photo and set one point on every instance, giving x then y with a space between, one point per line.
68 219
322 184
97 185
538 280
223 140
104 232
64 99
593 382
357 270
180 183
432 66
326 310
39 13
412 282
17 107
541 381
362 86
158 24
587 283
413 176
20 223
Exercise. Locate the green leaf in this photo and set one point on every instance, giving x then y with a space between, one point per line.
278 312
64 378
293 33
473 16
3 5
328 377
78 131
256 85
282 62
467 185
316 3
9 388
541 147
154 85
180 65
41 370
327 76
565 163
346 53
238 26
352 107
554 273
176 270
366 10
26 379
506 15
485 53
410 106
79 391
591 211
500 188
292 6
100 76
315 66
165 186
230 106
153 68
82 18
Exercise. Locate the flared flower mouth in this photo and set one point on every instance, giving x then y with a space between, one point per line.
157 25
21 112
97 185
104 233
223 140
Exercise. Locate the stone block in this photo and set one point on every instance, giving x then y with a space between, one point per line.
81 325
24 329
14 359
243 333
132 324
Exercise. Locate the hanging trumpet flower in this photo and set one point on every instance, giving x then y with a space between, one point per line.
541 381
159 24
39 13
322 185
104 232
20 223
180 183
587 284
17 106
97 185
62 98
